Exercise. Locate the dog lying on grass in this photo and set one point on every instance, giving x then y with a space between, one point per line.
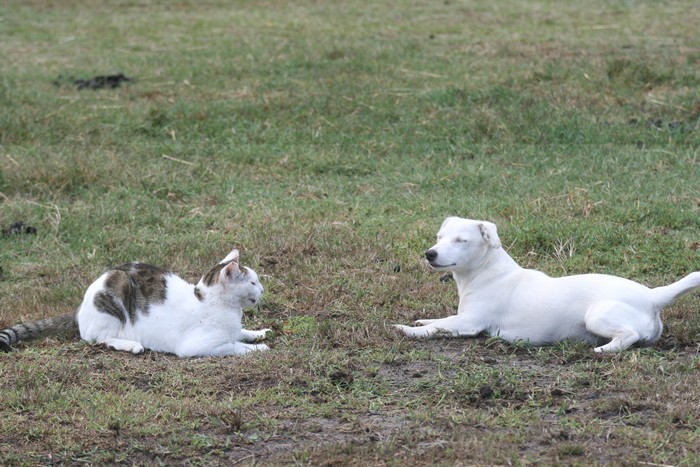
499 298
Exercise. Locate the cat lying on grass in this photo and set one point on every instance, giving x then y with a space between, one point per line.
137 306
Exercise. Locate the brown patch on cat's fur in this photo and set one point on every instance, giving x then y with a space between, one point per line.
108 303
131 288
212 276
198 293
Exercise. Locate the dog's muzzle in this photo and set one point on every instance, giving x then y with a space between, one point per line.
432 256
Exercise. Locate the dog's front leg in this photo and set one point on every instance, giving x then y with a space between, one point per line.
423 322
451 326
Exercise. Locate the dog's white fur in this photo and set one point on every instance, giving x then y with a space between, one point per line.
499 298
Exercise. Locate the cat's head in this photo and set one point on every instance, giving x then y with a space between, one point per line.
229 283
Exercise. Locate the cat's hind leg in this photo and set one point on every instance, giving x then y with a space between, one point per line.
103 328
252 336
124 345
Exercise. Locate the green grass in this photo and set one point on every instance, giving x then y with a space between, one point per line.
327 141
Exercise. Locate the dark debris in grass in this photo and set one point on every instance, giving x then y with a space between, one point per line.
96 82
19 228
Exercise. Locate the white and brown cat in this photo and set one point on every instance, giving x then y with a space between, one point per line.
137 306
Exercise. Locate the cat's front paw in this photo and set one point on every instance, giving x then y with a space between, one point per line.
242 348
254 336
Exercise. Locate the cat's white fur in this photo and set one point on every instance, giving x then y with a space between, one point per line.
183 324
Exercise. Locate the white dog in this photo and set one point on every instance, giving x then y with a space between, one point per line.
500 298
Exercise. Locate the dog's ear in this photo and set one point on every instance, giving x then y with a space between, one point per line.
233 256
489 234
447 220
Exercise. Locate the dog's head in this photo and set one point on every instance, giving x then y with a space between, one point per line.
462 244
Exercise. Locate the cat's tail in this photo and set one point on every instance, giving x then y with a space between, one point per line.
667 294
34 329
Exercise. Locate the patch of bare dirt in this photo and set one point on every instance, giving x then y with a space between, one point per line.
565 389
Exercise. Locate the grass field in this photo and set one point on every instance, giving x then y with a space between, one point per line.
327 141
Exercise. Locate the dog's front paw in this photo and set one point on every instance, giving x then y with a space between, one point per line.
411 331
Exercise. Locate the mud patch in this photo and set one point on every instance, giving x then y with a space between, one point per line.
314 437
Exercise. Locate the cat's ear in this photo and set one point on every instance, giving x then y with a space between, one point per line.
233 256
230 272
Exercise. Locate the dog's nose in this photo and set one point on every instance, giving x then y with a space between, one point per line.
431 255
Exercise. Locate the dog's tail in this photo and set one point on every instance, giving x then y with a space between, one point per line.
667 294
34 329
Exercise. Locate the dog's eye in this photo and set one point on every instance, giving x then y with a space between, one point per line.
461 240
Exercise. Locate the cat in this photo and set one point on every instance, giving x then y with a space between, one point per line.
137 306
